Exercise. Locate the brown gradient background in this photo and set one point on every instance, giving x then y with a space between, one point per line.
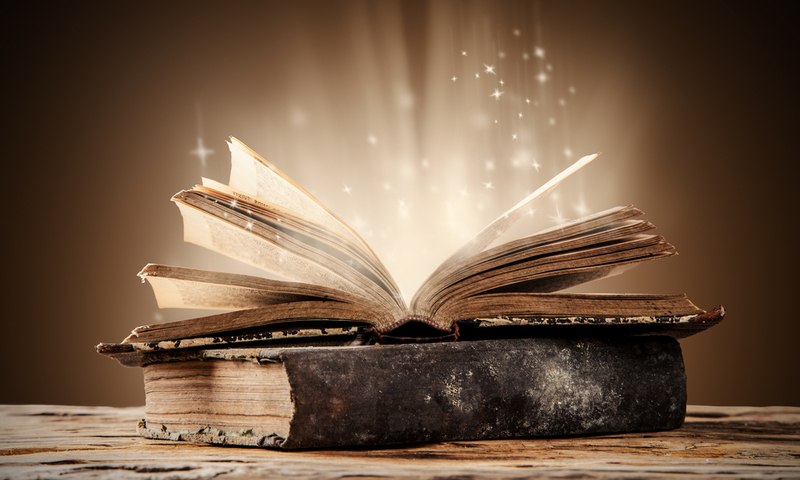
694 106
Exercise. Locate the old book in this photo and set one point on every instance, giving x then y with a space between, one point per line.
318 397
336 283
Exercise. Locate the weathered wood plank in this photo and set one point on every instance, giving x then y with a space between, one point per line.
96 442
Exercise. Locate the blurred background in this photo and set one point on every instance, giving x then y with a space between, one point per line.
386 111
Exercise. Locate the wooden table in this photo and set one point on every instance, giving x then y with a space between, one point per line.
43 441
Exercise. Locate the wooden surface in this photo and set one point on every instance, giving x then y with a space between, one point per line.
97 442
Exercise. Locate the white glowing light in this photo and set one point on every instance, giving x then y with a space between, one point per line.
454 78
489 69
477 75
525 56
539 52
572 90
201 151
520 114
488 185
347 190
489 165
552 121
425 163
497 93
581 209
558 218
372 139
536 165
542 77
568 152
530 211
502 54
249 225
513 136
527 100
562 102
502 82
516 32
463 53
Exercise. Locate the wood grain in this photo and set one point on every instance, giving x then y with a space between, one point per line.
44 441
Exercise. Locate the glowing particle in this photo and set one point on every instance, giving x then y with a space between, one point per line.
542 77
502 82
525 56
489 165
489 69
201 151
372 139
463 53
249 225
501 54
552 121
347 190
536 165
454 78
497 93
568 152
477 75
558 218
549 67
562 102
517 32
513 136
488 185
520 114
528 101
572 90
539 52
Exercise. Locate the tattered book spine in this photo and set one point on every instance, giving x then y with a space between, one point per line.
398 394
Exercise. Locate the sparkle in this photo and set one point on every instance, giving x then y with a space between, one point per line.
513 136
502 82
372 139
542 77
502 54
463 53
488 185
530 211
249 225
558 218
489 69
347 190
496 96
201 151
536 165
552 121
495 121
520 114
581 209
539 52
528 101
489 165
562 102
477 75
454 78
568 152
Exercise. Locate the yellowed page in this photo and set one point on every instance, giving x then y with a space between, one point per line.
222 237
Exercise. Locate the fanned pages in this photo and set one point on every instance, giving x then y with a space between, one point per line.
337 288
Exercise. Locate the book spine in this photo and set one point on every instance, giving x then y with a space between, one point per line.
538 387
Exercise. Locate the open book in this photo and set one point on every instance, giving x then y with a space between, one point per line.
337 283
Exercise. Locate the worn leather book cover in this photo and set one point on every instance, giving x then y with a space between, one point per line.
412 393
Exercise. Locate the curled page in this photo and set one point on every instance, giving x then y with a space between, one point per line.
491 232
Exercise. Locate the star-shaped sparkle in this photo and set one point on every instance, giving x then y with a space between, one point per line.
497 93
488 185
347 189
528 101
536 165
513 136
463 53
454 78
489 69
520 114
201 151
